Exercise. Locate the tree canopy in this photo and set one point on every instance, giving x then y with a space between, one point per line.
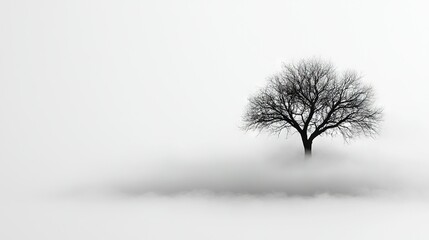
310 97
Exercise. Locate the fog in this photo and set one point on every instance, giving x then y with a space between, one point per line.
121 119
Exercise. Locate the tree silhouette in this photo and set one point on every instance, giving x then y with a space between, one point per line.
311 98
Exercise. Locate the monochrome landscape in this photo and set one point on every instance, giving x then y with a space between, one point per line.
124 120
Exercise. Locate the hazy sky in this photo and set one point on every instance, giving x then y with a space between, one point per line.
87 84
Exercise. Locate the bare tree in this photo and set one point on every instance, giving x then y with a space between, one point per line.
311 98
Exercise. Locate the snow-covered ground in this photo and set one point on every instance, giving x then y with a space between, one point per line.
234 199
196 217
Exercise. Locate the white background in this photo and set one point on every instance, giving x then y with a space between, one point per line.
94 92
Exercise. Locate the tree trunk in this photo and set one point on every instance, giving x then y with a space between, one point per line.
307 147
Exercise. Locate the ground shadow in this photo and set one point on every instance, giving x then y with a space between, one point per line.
319 176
